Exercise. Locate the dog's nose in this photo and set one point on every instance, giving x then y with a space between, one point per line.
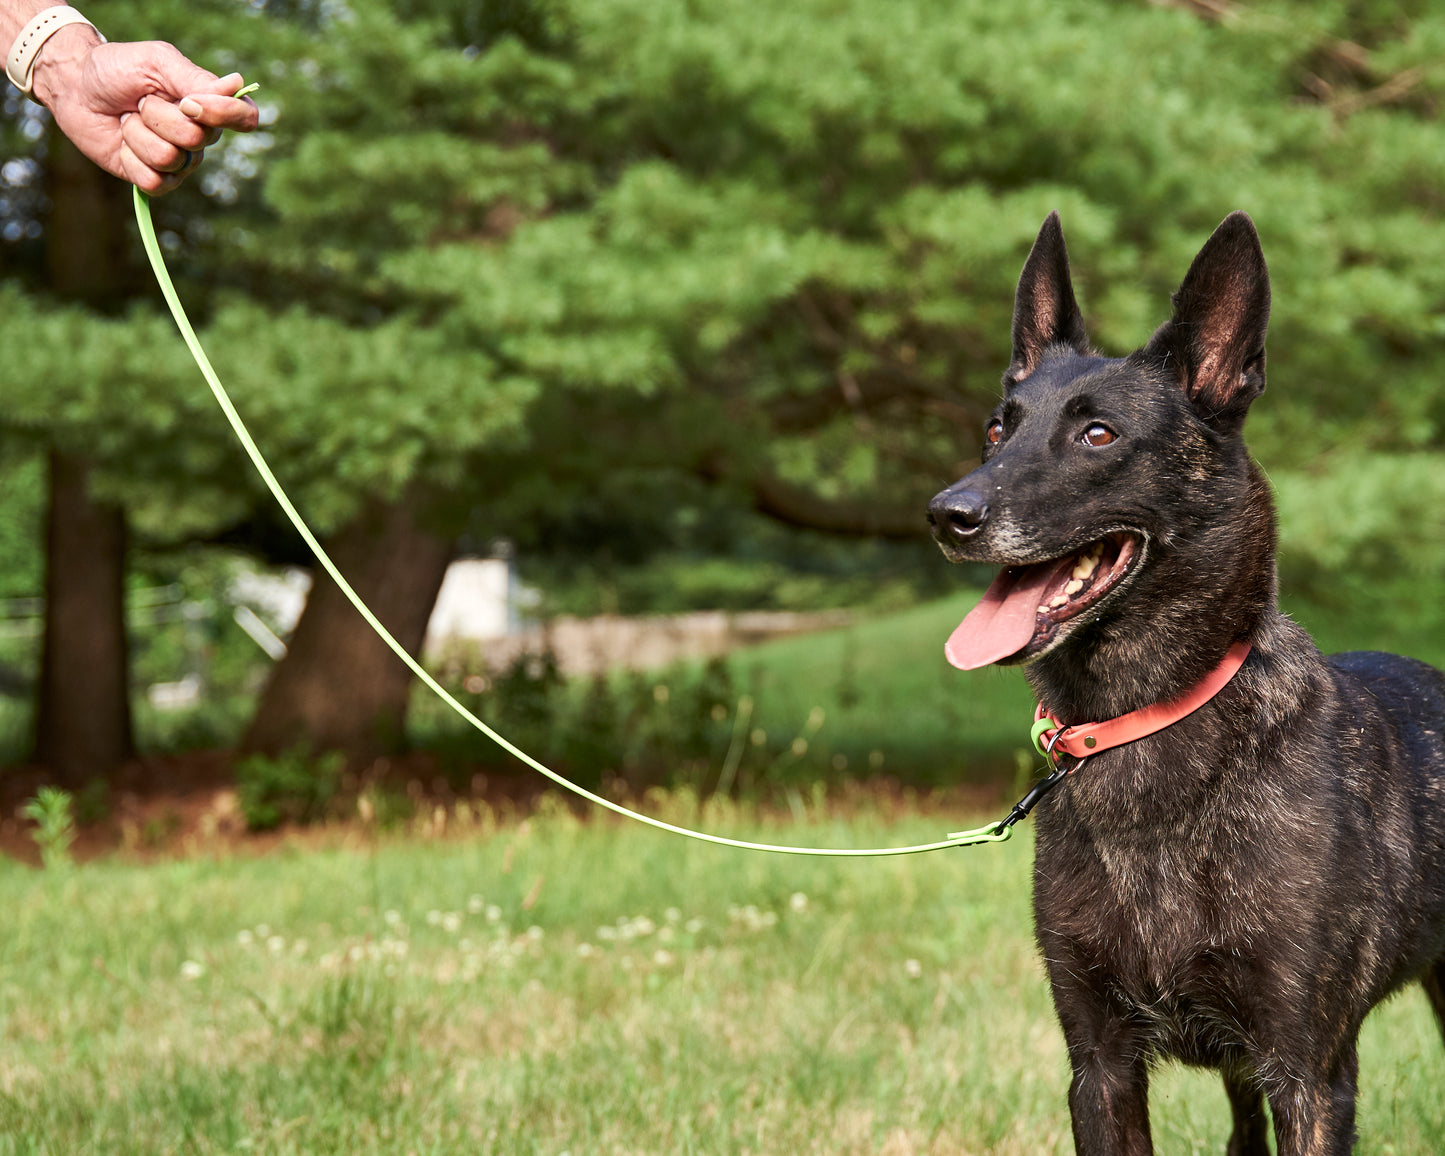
958 513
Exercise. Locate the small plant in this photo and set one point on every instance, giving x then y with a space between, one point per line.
92 802
54 832
291 788
384 806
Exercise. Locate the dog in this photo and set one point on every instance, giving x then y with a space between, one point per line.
1237 889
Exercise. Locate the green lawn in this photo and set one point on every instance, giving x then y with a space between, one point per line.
883 686
553 986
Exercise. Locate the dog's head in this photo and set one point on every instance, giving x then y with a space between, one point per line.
1091 465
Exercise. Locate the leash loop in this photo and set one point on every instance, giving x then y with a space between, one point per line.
1044 725
992 833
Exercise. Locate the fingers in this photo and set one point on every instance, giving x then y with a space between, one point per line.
158 120
168 139
162 138
144 111
145 178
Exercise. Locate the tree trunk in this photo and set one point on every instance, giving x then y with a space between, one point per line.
82 715
82 721
339 687
88 254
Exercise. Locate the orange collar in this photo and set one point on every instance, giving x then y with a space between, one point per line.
1084 739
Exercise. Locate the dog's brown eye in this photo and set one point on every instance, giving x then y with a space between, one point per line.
994 433
1098 435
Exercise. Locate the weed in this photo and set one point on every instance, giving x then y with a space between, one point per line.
54 832
384 806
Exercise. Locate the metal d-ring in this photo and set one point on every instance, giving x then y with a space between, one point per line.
1079 760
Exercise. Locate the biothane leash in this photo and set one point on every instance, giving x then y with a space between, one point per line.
993 833
997 832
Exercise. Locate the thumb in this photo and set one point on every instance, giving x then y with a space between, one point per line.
174 76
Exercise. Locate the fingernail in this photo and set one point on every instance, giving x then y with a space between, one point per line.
140 104
125 116
191 107
233 79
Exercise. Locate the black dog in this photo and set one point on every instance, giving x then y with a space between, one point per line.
1240 888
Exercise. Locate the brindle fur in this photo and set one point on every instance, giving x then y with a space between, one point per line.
1240 889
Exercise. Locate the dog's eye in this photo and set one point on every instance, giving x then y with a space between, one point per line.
1097 435
993 434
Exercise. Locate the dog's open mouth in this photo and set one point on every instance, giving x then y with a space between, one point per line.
1022 611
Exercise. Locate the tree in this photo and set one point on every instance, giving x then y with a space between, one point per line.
509 266
82 720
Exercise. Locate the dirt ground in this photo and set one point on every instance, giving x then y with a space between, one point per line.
166 806
170 806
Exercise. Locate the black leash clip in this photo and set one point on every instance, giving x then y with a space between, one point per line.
1022 808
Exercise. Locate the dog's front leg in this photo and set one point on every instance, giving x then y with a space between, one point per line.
1109 1094
1314 1113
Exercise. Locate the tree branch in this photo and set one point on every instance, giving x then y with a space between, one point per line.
795 506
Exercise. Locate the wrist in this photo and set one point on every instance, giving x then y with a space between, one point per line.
46 37
59 60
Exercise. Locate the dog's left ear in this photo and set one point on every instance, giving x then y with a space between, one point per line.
1214 342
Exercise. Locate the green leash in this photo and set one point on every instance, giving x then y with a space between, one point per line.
997 832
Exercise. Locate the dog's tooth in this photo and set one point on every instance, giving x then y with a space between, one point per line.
1085 566
1073 586
1057 600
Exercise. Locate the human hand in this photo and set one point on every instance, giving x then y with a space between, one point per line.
140 110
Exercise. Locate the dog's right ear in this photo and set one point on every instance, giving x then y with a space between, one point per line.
1045 312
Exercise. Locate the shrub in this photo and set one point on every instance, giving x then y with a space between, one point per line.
292 788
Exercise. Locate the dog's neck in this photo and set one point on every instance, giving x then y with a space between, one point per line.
1158 646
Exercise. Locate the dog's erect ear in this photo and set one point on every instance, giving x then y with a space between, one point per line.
1045 312
1215 340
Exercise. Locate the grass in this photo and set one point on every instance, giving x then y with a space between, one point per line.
883 686
548 986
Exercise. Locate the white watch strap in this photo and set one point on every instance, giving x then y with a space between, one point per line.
20 63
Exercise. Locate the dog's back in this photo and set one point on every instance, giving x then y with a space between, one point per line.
1399 781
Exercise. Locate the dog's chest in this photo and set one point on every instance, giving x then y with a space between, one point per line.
1153 910
1145 909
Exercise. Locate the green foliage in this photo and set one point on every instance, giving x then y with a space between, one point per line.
632 731
92 802
21 524
592 274
1378 517
291 788
51 812
789 241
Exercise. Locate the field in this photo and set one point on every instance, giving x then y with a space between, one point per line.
532 983
547 985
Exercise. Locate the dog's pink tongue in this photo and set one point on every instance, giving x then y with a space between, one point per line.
1003 622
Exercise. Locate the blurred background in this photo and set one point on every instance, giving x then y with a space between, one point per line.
615 347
